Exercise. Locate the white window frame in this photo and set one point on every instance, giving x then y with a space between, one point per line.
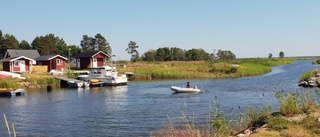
59 62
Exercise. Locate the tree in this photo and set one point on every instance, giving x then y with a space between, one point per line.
98 43
270 55
164 54
74 50
196 54
149 55
87 44
49 44
102 44
132 49
7 42
178 54
281 54
225 54
24 45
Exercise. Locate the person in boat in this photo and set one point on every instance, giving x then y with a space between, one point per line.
188 85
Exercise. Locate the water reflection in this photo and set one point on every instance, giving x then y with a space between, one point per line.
116 90
184 95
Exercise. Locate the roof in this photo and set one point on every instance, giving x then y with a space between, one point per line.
48 57
19 52
16 58
89 54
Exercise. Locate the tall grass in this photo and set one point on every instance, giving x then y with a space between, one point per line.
8 127
305 76
289 105
10 83
41 79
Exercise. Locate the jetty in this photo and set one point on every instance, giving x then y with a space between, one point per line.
11 92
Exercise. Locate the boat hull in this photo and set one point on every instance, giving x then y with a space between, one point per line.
184 90
105 81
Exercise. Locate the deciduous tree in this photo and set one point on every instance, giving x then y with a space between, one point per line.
149 55
225 54
270 56
281 54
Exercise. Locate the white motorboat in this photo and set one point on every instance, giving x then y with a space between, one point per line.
78 84
104 75
185 90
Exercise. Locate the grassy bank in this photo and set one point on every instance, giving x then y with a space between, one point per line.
32 80
204 69
298 115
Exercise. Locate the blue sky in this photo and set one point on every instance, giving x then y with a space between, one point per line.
249 28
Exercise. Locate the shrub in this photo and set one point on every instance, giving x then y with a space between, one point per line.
305 76
289 105
278 123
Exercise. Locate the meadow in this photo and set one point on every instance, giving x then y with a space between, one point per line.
203 69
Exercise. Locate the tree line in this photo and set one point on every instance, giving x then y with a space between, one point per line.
52 45
177 54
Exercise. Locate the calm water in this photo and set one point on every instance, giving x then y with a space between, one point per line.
141 107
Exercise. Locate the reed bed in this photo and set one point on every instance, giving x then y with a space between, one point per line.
43 79
10 83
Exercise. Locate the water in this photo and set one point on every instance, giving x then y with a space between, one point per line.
141 107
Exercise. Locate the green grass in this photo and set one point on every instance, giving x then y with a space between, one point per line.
305 76
202 69
9 83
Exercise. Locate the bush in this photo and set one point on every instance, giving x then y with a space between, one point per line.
278 123
305 76
289 105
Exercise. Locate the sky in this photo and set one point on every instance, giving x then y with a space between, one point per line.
248 28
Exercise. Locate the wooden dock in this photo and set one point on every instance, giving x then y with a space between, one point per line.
8 92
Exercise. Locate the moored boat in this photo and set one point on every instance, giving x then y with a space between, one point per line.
78 84
185 90
104 75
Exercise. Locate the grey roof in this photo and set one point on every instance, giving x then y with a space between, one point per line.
15 58
27 53
48 57
88 54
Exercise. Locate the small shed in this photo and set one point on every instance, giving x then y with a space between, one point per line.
85 60
54 62
19 64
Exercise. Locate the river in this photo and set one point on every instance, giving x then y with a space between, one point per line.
141 107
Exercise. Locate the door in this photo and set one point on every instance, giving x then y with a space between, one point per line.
22 65
78 64
95 62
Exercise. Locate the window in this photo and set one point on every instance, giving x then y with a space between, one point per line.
59 62
16 63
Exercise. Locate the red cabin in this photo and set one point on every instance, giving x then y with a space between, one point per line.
19 64
54 62
85 60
